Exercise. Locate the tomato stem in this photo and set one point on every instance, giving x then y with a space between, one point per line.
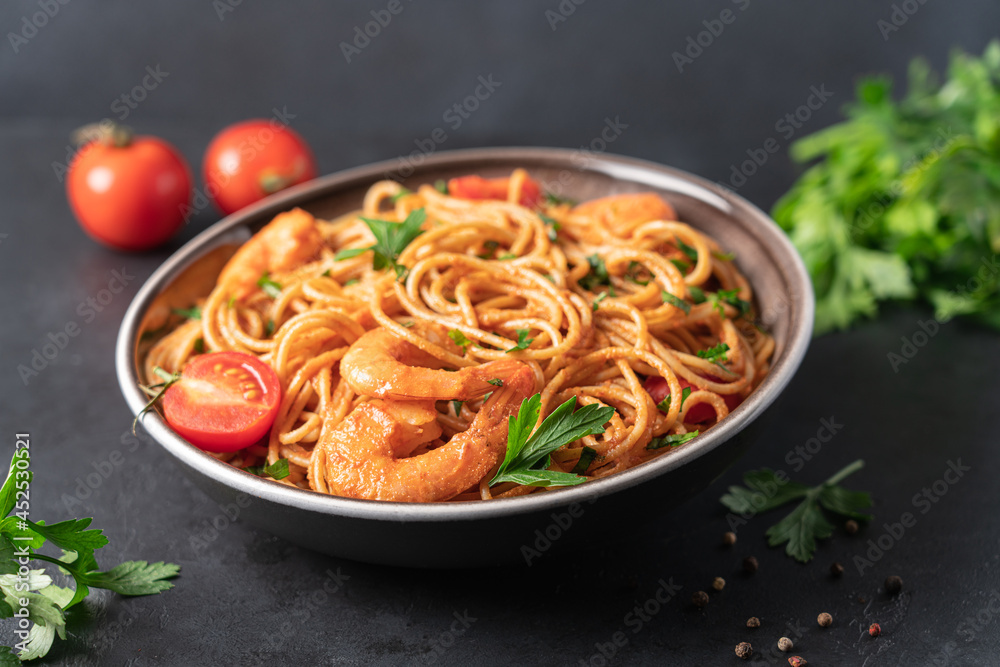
107 132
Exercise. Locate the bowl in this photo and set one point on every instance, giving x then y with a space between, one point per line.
520 529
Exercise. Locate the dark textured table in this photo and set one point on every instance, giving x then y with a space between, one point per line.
562 70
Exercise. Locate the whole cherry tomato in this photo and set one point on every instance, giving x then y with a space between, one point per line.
658 389
223 401
250 160
128 192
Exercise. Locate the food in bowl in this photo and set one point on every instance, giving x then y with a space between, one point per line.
474 340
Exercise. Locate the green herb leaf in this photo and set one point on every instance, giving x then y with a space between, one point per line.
675 440
697 294
724 256
597 302
675 301
687 250
192 313
199 346
457 406
459 339
716 354
348 253
352 281
555 200
598 274
527 451
522 340
496 382
441 186
664 405
399 195
587 456
506 256
392 238
799 530
271 288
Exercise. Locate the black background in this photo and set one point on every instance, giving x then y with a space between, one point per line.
245 597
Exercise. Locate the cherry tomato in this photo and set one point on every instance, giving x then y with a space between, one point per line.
477 187
224 401
658 389
129 193
250 160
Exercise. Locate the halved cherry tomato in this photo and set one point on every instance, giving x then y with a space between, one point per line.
477 187
658 389
224 401
128 192
250 160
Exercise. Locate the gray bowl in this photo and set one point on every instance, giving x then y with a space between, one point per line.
516 529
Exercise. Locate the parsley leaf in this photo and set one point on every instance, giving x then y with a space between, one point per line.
675 301
687 250
766 490
199 345
441 186
271 288
193 313
277 470
697 294
391 239
729 296
555 200
587 456
528 453
496 382
459 339
598 274
675 440
664 405
44 602
399 195
597 302
715 354
522 340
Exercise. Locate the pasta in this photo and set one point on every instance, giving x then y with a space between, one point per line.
612 301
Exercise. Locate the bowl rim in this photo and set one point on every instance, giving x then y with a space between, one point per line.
616 167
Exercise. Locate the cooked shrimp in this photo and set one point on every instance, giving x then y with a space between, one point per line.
285 243
620 214
365 456
382 365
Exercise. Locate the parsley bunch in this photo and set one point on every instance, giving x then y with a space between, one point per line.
47 603
905 199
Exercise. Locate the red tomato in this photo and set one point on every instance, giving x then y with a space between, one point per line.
224 401
250 160
129 194
477 187
702 412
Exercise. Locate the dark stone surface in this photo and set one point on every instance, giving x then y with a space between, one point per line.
248 598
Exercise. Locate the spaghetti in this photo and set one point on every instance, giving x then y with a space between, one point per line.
612 301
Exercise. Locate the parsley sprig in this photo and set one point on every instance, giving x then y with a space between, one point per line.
766 490
529 449
391 239
277 470
270 287
47 603
522 341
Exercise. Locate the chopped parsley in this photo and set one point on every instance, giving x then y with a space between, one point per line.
674 440
715 354
697 294
441 186
555 200
664 405
193 313
270 287
587 456
199 346
598 274
399 195
277 470
459 339
522 340
686 249
675 301
391 238
496 382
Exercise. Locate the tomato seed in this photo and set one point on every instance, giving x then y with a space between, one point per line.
252 394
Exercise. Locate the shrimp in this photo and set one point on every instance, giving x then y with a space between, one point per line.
285 243
620 214
382 365
366 455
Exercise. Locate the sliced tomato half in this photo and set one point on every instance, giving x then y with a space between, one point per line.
224 401
477 187
658 388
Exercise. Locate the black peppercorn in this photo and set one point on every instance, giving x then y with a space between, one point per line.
753 622
836 569
750 564
851 526
893 585
729 539
699 599
744 650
